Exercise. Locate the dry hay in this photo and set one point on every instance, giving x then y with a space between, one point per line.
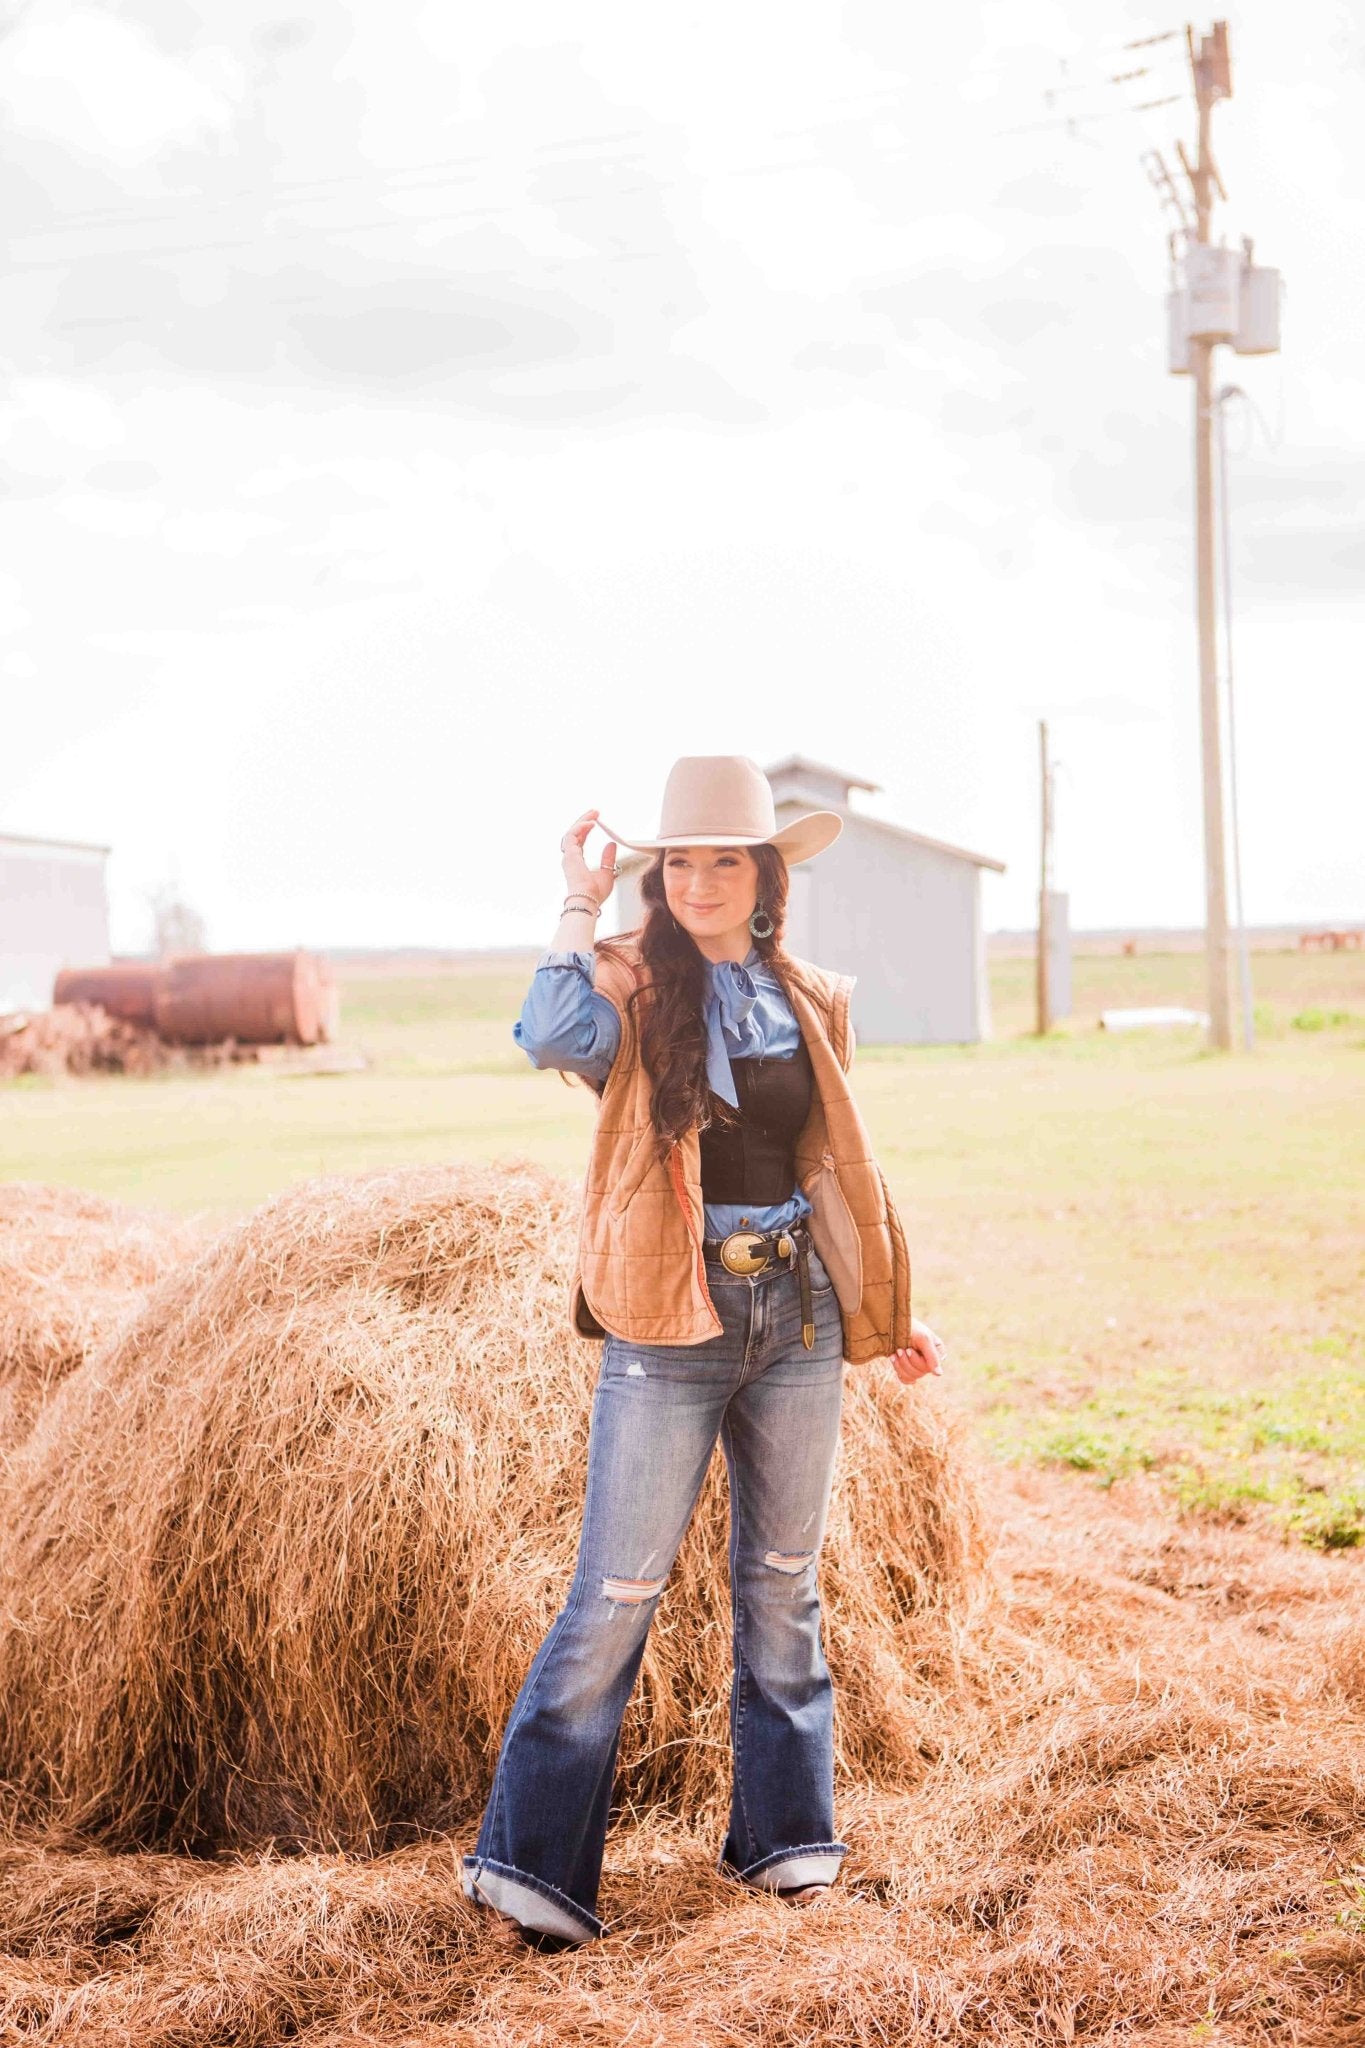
82 1038
1114 1793
73 1269
274 1564
1132 1836
79 1038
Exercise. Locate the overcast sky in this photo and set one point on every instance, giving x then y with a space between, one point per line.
425 422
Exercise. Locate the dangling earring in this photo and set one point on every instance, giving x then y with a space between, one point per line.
760 924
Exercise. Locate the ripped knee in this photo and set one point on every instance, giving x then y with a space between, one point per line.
790 1562
631 1592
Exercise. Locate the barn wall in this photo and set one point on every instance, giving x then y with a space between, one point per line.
54 913
906 920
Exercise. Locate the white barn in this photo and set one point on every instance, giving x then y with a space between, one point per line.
898 910
54 913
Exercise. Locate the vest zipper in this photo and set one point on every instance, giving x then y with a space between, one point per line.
675 1175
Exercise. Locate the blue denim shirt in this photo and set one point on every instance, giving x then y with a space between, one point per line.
565 1023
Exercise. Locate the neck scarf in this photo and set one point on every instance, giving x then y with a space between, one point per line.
731 995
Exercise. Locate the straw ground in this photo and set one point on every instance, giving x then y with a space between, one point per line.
1138 1817
275 1559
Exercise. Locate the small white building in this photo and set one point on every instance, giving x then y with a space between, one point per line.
898 910
54 913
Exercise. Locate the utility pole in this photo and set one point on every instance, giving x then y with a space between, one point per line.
1044 994
1217 296
1211 71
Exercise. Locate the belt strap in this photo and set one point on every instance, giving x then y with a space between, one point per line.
800 1238
803 1275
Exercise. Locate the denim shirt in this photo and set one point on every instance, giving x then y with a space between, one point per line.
565 1023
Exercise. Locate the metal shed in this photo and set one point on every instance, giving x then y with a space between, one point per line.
900 911
54 913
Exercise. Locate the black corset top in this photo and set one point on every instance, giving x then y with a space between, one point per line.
750 1156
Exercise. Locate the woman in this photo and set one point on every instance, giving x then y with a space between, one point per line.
738 1246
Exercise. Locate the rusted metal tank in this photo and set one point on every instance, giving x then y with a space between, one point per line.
256 998
329 1019
127 989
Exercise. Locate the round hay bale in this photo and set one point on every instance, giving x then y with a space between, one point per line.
274 1565
73 1269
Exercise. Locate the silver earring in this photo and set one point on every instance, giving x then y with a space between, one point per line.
760 924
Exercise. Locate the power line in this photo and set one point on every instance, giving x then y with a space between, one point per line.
418 179
1071 123
437 174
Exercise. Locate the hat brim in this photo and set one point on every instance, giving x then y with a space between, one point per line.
801 840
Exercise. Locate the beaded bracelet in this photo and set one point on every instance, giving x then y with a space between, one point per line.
581 903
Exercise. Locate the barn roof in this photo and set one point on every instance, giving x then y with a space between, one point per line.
823 803
811 799
53 845
794 763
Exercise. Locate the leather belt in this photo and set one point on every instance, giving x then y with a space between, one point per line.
748 1252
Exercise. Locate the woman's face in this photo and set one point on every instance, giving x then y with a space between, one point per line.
711 890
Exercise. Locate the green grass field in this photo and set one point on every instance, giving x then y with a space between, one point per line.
1145 1259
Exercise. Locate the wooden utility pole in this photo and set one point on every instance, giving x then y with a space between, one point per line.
1211 71
1044 886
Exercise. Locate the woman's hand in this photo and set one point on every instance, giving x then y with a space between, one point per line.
922 1356
583 880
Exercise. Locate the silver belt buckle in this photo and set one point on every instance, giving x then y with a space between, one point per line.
744 1251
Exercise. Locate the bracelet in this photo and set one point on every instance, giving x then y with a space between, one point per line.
581 903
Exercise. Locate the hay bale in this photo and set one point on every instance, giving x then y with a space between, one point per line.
275 1563
73 1270
79 1038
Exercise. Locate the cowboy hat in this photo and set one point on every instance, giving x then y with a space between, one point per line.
726 800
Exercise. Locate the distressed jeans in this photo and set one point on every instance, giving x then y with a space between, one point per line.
657 1412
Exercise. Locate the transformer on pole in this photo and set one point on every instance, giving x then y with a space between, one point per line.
1219 297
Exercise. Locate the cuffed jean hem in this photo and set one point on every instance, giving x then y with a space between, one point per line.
787 1870
527 1899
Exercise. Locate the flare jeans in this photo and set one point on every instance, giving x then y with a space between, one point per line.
657 1412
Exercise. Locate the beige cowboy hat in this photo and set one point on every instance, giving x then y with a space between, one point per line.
727 800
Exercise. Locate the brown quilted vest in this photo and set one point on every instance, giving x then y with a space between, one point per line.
641 1273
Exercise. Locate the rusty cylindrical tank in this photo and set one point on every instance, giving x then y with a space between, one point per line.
127 989
329 1004
256 998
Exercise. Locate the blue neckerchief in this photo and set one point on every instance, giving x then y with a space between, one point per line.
730 999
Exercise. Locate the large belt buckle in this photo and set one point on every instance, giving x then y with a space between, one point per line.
744 1251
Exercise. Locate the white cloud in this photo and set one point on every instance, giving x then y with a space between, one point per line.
101 85
726 387
120 518
216 530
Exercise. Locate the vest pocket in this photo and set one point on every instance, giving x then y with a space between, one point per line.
638 1162
835 1235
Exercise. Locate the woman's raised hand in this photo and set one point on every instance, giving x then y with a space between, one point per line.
583 880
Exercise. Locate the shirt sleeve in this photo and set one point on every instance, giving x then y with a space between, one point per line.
564 1023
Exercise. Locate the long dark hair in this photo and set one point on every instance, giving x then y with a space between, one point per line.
670 1008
